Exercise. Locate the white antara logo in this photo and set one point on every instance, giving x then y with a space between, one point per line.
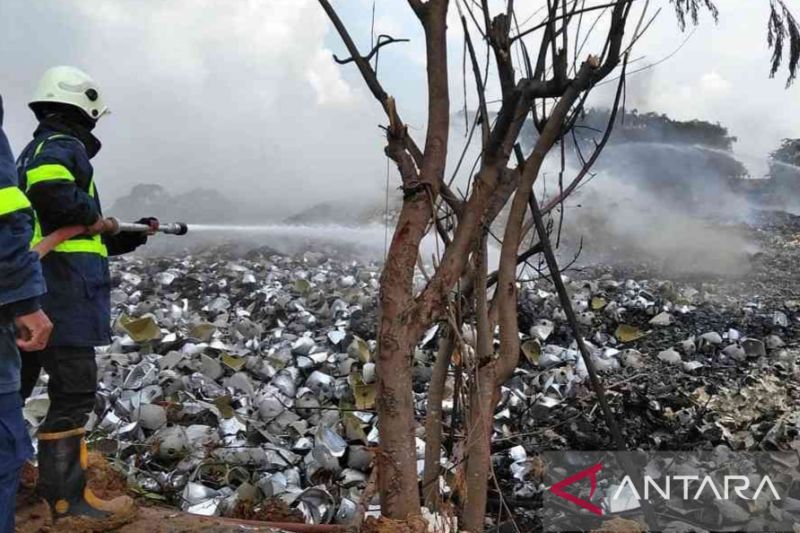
735 484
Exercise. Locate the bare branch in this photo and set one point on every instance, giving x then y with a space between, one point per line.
371 80
383 40
597 150
549 20
435 154
418 6
476 71
521 258
616 33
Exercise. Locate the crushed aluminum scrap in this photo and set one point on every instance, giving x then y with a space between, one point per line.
231 381
237 379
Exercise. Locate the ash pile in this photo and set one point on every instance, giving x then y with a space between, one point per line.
236 382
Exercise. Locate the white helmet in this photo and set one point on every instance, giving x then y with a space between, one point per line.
69 85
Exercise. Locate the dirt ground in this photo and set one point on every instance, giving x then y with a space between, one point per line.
387 525
107 483
148 520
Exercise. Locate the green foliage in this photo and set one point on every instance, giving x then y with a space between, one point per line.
691 8
782 26
783 30
653 127
789 152
784 166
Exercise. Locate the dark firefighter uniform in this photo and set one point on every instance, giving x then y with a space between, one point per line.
21 285
56 174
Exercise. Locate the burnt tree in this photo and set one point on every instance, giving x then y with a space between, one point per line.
544 67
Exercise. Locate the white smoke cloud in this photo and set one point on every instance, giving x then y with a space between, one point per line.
240 96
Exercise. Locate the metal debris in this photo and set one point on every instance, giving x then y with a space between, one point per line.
235 378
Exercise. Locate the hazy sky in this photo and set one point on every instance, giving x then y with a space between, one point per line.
243 94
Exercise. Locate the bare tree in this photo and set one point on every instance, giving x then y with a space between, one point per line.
549 88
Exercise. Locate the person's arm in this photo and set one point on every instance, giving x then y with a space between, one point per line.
51 187
21 280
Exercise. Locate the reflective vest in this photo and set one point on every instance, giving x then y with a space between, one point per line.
50 169
12 199
55 172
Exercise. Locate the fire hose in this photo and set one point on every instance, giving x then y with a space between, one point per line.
111 226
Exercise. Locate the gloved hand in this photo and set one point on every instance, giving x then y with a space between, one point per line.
134 240
127 241
150 221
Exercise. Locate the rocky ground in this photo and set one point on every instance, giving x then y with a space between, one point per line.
236 381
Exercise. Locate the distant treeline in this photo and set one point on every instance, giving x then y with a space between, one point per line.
789 153
633 126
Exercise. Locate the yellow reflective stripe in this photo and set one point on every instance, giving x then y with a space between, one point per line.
38 149
87 246
37 230
93 246
62 434
48 173
76 245
51 172
41 144
12 199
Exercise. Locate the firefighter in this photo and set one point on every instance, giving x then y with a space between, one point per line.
56 174
23 325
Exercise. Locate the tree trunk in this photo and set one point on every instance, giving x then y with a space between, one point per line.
433 420
397 336
396 458
479 434
481 403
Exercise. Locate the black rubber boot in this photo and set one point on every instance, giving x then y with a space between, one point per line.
63 460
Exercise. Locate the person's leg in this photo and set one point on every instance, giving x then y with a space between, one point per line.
8 494
15 449
71 387
62 447
15 444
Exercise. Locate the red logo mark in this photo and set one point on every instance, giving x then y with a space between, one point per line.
591 472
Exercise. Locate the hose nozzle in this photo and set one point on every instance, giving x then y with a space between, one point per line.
173 228
170 228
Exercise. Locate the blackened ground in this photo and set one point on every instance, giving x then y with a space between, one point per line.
657 405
